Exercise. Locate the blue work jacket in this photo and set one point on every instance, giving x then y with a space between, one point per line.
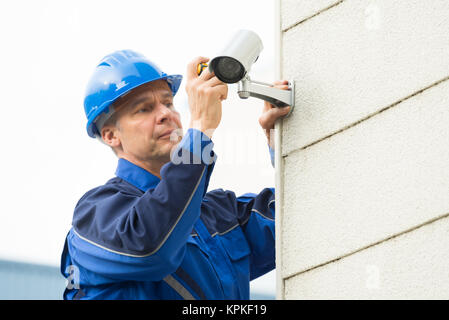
141 237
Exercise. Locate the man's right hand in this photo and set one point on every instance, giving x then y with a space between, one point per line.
205 93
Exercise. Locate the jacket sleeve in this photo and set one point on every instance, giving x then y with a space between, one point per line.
255 213
119 235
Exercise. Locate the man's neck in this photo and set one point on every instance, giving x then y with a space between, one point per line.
153 167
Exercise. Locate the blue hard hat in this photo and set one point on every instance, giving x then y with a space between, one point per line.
116 75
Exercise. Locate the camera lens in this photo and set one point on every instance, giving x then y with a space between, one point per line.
229 70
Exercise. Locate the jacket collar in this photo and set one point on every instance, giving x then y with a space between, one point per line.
136 175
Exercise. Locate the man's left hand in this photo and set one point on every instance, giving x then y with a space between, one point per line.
271 113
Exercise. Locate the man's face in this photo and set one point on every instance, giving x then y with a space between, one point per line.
146 118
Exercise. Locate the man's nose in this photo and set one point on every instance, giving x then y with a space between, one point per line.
164 113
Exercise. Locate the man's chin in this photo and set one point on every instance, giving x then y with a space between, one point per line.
167 143
167 147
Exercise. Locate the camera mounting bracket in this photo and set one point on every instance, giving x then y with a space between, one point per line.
265 91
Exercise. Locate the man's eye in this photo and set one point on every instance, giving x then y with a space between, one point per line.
141 110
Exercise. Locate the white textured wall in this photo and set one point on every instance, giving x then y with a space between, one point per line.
364 176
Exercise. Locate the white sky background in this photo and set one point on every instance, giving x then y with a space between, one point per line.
49 50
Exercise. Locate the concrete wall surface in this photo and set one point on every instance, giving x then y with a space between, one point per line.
363 176
412 265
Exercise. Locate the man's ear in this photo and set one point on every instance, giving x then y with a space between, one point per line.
111 136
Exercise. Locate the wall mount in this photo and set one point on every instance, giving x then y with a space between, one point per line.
265 91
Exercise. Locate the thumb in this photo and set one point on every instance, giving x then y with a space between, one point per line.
193 65
284 110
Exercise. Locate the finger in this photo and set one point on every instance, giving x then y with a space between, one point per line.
193 65
268 118
214 81
206 75
282 87
280 82
221 90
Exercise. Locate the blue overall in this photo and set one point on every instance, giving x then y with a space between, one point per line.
141 237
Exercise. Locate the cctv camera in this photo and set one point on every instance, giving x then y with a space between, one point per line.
235 61
233 64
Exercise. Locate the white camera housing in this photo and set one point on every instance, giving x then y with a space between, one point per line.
236 59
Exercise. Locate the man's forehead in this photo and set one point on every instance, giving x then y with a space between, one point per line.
146 91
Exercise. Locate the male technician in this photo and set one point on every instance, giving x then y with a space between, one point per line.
153 231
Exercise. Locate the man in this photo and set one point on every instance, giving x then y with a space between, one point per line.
153 231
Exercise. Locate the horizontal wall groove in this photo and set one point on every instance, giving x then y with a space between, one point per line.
312 16
426 223
414 94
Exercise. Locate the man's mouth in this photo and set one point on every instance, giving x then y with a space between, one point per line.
166 134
